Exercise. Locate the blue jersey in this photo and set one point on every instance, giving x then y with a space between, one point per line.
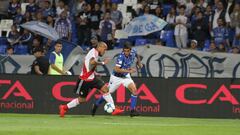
125 62
220 35
32 8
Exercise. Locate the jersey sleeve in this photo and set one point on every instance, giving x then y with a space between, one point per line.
119 61
52 58
36 62
92 54
134 52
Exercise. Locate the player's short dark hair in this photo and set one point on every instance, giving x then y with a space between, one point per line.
9 47
127 45
38 49
58 42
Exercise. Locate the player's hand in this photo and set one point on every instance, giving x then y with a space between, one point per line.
106 60
64 73
139 65
132 70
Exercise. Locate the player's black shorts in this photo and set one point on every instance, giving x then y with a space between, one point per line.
82 87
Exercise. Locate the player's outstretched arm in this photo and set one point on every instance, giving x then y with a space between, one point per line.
95 63
139 63
120 70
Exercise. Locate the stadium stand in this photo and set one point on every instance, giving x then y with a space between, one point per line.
129 10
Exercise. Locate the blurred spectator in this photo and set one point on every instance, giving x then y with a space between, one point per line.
50 21
13 36
200 30
96 17
194 15
36 43
47 10
32 8
27 17
220 33
222 48
83 21
171 19
146 10
171 2
159 42
189 8
60 7
158 12
39 17
40 64
208 13
235 24
230 5
181 2
202 4
12 8
9 50
56 61
106 6
66 8
63 26
236 41
18 18
212 48
26 38
79 6
194 45
180 32
116 16
219 12
235 50
142 5
94 41
107 30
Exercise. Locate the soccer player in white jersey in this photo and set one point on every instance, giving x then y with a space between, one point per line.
87 79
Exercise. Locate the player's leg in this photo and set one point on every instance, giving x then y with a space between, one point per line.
108 97
81 91
113 85
100 85
133 89
75 102
105 97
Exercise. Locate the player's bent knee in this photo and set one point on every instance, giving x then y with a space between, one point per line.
104 89
132 88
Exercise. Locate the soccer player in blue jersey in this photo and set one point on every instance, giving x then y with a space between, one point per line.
121 75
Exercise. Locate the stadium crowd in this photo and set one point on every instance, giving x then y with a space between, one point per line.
206 25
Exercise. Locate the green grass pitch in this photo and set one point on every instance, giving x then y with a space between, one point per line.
35 124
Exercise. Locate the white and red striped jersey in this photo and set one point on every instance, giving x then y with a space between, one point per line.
87 71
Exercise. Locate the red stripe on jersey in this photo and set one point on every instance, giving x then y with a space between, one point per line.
86 74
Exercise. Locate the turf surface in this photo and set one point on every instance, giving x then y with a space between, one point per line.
34 124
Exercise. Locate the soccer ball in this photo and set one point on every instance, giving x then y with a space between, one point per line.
108 107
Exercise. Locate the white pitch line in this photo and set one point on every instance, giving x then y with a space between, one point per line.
167 125
159 125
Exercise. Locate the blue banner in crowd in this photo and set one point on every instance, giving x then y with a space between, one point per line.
144 25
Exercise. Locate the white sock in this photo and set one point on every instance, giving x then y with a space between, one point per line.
73 103
109 99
